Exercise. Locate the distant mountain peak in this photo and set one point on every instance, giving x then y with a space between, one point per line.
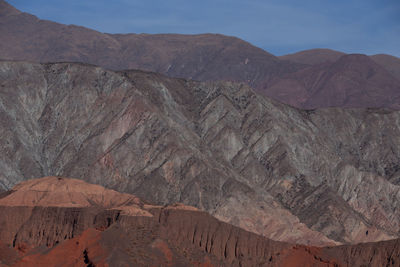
293 79
6 9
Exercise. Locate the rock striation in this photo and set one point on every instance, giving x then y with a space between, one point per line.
318 177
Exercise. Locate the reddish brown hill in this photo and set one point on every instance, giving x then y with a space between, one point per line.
200 57
352 81
313 56
8 10
391 63
320 56
168 236
55 192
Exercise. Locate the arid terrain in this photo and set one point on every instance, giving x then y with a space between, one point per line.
55 221
220 153
320 177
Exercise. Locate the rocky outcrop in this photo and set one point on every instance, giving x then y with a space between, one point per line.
25 228
50 210
369 254
86 231
308 79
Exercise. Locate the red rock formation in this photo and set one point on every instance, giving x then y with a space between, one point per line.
55 192
8 256
175 235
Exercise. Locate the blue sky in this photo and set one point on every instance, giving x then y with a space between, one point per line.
278 26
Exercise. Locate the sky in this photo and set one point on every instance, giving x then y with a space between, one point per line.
278 26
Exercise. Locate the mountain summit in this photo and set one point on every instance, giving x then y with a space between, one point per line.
292 79
8 10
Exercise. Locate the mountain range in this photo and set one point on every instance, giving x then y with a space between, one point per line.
330 174
287 153
309 79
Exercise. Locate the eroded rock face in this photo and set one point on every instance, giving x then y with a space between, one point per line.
25 228
250 161
155 137
309 79
101 234
264 166
50 210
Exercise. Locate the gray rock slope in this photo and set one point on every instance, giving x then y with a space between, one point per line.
316 177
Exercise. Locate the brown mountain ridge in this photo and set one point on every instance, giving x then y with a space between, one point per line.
350 81
293 79
256 174
314 56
